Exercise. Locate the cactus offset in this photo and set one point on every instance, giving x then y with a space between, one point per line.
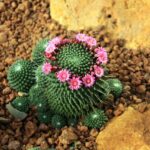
21 103
95 119
21 75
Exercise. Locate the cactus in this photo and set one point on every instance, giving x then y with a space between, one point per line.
115 86
74 103
75 57
21 103
38 98
58 121
72 121
42 80
95 119
67 77
38 52
21 75
45 117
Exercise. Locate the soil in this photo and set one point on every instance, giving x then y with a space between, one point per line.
22 24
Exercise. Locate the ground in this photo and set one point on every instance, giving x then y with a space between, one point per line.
22 24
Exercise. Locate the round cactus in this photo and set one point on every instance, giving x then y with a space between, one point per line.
21 75
21 103
45 117
72 121
38 52
75 57
58 121
115 86
95 119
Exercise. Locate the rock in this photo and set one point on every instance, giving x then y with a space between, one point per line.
67 136
14 145
2 6
8 60
3 37
6 91
30 128
124 18
130 131
141 89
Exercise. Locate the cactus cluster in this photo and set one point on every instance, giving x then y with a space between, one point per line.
64 80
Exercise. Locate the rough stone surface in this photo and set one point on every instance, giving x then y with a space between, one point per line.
130 131
129 19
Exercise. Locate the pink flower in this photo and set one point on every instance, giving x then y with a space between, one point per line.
99 71
101 54
91 41
47 68
48 55
99 49
56 41
81 37
75 83
50 48
63 75
88 80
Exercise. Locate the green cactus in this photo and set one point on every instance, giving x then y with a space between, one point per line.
75 57
95 119
38 52
72 121
58 121
35 148
64 101
42 80
21 75
35 94
115 86
38 99
45 117
21 103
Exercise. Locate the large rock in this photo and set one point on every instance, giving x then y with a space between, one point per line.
130 131
129 19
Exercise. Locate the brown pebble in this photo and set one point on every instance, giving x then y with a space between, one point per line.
7 90
141 89
43 127
14 145
89 144
50 141
3 37
82 128
94 132
142 107
2 6
44 145
5 139
8 60
30 128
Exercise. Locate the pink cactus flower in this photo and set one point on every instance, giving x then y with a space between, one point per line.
63 75
101 54
75 83
91 41
88 80
56 41
48 55
99 71
46 68
81 37
50 48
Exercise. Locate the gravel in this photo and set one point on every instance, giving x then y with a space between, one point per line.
22 24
